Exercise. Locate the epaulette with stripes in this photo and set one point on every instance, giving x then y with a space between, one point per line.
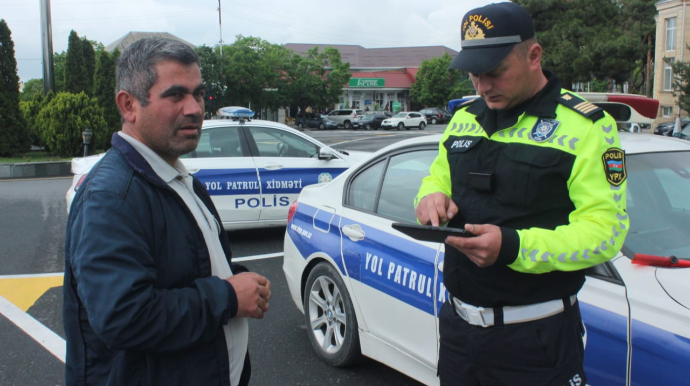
581 106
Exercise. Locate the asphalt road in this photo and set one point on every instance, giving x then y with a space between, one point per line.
32 228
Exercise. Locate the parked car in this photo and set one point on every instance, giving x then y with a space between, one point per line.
666 128
345 117
405 120
252 169
313 120
368 289
436 115
371 120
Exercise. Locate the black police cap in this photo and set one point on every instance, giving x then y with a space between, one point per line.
489 33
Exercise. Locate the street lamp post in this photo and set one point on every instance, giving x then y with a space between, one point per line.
86 135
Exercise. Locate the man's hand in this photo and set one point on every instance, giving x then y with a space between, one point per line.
482 250
435 208
253 293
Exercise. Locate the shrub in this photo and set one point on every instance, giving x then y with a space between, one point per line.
61 122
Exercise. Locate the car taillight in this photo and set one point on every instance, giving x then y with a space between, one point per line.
291 210
81 179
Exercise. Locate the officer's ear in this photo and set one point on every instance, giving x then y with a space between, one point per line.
534 55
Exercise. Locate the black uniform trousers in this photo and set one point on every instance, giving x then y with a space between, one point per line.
544 352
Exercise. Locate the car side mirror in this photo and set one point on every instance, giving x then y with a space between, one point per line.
326 153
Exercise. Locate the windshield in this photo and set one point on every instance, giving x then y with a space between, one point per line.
658 204
400 115
323 117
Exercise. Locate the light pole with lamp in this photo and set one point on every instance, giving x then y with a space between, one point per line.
86 135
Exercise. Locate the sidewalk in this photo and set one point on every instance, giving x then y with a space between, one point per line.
36 170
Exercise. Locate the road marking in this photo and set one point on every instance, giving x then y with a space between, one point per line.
24 290
19 292
35 329
257 257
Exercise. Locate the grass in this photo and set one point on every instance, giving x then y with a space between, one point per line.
33 156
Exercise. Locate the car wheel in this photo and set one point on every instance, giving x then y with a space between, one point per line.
422 125
367 127
347 125
330 317
433 121
401 126
300 125
322 126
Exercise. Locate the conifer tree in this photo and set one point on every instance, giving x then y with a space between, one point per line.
13 137
75 67
89 65
104 90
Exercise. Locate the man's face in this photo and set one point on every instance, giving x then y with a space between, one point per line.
507 85
171 123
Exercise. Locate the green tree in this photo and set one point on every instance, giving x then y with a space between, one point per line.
59 60
315 79
13 137
89 65
31 88
76 75
584 40
65 117
435 84
30 110
251 69
104 90
681 84
212 71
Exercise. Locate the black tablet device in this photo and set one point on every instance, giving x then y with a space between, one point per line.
430 233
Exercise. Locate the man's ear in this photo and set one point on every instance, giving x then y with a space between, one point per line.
534 55
128 105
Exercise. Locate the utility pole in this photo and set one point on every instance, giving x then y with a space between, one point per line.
47 45
220 25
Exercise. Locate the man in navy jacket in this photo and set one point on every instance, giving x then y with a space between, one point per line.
150 294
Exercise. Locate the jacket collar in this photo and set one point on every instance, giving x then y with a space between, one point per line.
136 160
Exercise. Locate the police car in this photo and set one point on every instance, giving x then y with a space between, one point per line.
253 169
368 289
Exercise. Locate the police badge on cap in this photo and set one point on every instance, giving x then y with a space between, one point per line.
489 33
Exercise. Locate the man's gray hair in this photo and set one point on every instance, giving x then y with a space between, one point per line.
136 72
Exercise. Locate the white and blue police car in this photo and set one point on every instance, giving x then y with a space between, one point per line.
367 289
253 169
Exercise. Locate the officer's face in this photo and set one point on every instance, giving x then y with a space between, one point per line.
508 84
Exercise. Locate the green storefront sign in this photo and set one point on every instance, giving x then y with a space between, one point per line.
367 82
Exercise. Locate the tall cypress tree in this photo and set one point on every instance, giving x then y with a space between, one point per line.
89 65
13 136
104 90
75 67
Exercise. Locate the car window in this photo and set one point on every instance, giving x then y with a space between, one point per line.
362 193
414 115
279 143
344 112
400 115
218 142
657 203
401 182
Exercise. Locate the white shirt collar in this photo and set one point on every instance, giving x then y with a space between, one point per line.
166 172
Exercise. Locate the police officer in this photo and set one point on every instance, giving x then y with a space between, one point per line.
537 174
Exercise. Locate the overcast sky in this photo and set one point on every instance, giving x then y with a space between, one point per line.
368 23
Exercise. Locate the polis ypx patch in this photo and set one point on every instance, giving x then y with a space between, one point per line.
614 165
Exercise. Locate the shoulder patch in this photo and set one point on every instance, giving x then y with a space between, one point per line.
584 108
614 165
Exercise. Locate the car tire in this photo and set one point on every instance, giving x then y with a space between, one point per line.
300 125
433 121
422 125
367 127
322 126
347 125
330 317
401 126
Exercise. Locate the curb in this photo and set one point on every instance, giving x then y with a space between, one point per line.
36 170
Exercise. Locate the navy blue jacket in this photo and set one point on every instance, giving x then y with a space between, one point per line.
140 304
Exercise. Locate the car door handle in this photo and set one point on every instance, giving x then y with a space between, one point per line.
440 266
354 232
273 166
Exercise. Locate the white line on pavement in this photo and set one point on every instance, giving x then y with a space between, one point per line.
35 329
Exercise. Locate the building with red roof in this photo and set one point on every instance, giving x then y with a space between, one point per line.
380 76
